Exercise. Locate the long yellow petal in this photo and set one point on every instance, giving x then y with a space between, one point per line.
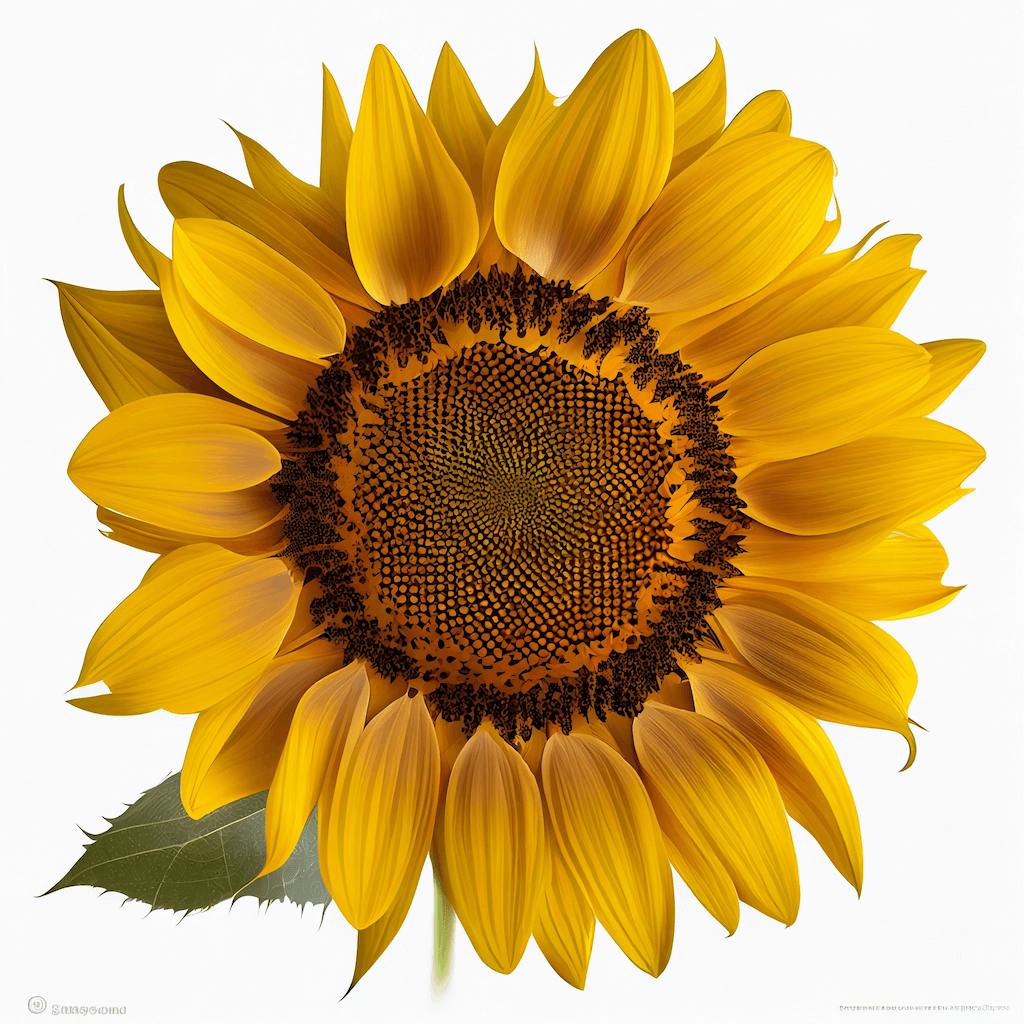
233 757
450 742
323 733
728 224
767 112
575 179
376 820
253 289
829 663
147 537
773 553
796 750
699 114
462 123
494 839
874 476
195 190
255 373
711 788
183 462
335 143
605 826
898 577
137 321
816 391
146 255
376 937
867 292
412 219
533 102
564 929
303 202
952 360
192 634
115 371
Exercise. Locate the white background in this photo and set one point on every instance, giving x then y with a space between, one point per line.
920 105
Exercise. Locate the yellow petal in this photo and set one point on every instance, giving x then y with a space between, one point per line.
137 320
767 112
952 360
564 929
194 633
728 224
461 122
236 745
535 99
323 733
335 143
412 220
817 391
711 788
250 371
772 553
183 462
875 476
115 371
494 839
249 286
376 937
699 114
194 190
450 742
376 819
898 577
575 179
303 202
868 292
831 664
797 752
146 255
602 819
147 537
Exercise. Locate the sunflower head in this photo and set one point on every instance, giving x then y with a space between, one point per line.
525 493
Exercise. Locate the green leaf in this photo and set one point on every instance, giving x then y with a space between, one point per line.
156 854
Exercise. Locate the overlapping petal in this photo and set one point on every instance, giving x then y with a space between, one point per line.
564 929
335 143
602 819
254 290
727 225
187 463
797 752
575 178
376 817
462 123
698 114
412 219
829 663
323 733
906 467
820 390
235 744
204 625
494 839
713 792
867 292
305 203
898 577
195 190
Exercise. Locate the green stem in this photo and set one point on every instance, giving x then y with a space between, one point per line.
444 938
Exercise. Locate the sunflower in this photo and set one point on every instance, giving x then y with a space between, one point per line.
524 494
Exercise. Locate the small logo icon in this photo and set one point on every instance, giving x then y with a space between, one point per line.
36 1004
